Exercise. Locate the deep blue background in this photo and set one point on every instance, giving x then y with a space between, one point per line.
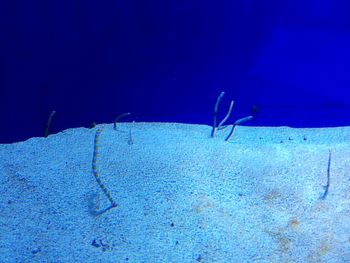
169 60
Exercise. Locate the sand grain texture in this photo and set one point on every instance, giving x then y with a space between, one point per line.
182 196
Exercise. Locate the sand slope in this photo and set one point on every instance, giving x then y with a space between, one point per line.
182 196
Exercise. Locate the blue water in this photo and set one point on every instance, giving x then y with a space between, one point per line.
169 60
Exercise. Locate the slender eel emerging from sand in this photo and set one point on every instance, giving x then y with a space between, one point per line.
48 124
95 172
120 116
326 187
221 125
237 122
216 113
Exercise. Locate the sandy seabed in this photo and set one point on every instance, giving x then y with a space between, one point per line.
182 196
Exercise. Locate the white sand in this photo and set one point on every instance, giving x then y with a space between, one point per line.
182 196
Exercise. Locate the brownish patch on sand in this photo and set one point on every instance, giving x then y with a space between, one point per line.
294 223
322 250
203 203
283 241
272 195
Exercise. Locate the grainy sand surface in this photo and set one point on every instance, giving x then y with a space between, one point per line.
182 196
